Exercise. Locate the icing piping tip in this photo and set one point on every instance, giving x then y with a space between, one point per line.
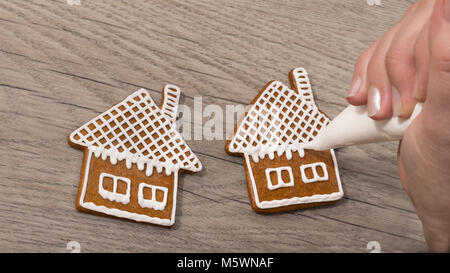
312 145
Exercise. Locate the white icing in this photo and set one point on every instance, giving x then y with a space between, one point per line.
316 177
130 159
125 214
302 84
152 203
280 121
280 182
114 195
353 126
140 132
295 200
170 102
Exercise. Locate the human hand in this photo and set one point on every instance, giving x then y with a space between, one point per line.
392 74
414 58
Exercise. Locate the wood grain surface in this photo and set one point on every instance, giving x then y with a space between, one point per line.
62 65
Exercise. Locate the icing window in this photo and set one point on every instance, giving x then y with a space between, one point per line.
153 197
279 177
114 188
314 172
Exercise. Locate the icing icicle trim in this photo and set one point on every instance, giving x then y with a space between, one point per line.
141 162
258 154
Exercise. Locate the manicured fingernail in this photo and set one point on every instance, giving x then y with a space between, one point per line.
447 10
354 87
396 102
374 100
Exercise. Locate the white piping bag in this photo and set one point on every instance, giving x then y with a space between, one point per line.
352 126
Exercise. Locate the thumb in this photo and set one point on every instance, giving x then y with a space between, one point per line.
436 110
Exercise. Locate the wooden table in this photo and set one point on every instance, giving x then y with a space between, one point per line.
61 65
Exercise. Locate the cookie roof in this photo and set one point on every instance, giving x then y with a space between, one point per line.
141 132
280 120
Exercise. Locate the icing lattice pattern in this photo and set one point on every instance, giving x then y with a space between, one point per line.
279 121
140 132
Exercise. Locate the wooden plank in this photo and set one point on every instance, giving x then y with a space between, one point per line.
62 65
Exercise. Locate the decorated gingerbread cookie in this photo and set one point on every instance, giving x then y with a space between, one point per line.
281 175
133 156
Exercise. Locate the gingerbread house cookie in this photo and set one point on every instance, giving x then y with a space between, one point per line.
133 155
281 175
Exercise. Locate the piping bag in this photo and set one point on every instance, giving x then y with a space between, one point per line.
352 126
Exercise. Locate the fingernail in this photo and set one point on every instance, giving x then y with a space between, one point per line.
447 10
374 100
354 87
396 102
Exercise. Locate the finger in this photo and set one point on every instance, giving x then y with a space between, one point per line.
436 109
357 95
379 102
422 61
400 63
439 37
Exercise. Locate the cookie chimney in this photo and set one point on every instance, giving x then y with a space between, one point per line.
171 96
